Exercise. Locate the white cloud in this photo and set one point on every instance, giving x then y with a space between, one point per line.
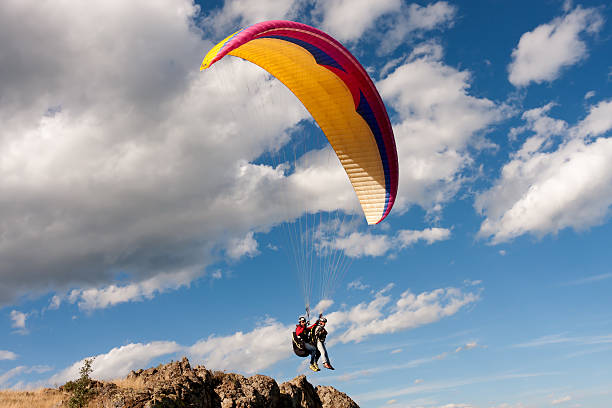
19 321
561 400
383 315
541 54
358 244
589 95
55 303
241 13
322 306
119 361
7 355
124 153
429 235
265 345
438 121
413 20
598 121
349 20
14 372
467 346
245 352
357 285
110 295
239 247
431 50
469 282
560 178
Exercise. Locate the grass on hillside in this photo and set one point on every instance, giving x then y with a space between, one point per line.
42 398
52 398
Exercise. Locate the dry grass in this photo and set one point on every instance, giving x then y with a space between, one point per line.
136 384
42 398
52 398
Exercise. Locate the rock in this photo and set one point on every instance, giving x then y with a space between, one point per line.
236 391
177 384
301 393
332 398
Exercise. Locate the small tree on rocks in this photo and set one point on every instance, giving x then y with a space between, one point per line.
81 389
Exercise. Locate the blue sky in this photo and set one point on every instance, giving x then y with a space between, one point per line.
143 203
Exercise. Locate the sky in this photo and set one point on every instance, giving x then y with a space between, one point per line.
147 208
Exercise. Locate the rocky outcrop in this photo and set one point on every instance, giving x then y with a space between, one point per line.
177 384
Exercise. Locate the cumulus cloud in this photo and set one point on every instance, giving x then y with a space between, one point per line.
413 20
322 306
246 352
561 177
541 54
394 20
383 314
7 355
349 19
55 302
247 246
110 295
129 168
357 285
119 361
597 122
437 121
255 350
358 244
242 13
19 321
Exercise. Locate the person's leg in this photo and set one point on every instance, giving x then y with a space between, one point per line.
323 352
313 353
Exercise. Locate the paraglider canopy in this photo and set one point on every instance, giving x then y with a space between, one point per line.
338 93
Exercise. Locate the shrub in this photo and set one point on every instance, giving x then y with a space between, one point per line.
81 389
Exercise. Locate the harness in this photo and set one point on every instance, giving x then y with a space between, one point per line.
299 348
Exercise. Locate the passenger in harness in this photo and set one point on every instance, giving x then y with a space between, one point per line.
319 334
301 343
